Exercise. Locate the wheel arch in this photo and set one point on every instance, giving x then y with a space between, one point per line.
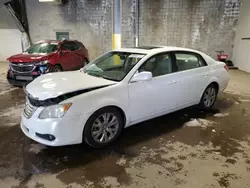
53 65
112 106
58 64
214 82
108 106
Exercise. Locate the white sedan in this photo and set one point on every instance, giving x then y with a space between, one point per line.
117 90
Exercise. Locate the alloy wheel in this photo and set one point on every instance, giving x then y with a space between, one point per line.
105 128
209 97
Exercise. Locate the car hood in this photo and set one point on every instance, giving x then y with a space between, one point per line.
27 58
52 85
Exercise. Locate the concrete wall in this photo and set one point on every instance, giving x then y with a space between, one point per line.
206 25
10 36
94 22
241 56
88 21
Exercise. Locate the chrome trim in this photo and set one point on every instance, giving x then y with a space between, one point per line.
29 109
22 65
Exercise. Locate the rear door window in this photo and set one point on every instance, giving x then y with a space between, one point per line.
70 46
66 46
74 46
187 61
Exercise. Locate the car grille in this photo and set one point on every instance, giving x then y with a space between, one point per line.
29 109
22 67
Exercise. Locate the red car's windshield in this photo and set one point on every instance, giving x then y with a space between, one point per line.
42 48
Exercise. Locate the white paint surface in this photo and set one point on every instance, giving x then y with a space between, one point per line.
135 99
10 43
241 55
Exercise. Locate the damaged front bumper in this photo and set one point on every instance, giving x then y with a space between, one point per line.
21 75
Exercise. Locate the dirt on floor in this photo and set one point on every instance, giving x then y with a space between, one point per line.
188 148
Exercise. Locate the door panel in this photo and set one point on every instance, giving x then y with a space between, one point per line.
77 57
193 77
65 59
153 97
191 84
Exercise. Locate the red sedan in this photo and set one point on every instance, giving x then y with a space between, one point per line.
46 56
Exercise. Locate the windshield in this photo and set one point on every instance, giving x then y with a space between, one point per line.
42 48
113 66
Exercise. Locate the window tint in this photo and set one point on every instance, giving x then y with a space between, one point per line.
66 46
70 46
158 65
186 61
42 48
74 46
80 44
113 65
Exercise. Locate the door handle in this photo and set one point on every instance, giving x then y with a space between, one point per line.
205 74
172 82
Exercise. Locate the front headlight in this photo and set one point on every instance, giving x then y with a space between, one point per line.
55 111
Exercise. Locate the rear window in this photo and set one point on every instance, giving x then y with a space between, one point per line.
80 44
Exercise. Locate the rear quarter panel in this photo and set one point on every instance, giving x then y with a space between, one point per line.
219 74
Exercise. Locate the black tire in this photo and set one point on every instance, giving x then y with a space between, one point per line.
87 133
229 63
203 102
85 62
56 68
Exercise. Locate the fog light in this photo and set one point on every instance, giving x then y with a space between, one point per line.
51 137
48 137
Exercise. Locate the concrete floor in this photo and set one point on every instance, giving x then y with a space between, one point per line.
189 148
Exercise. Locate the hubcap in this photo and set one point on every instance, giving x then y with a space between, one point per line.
105 127
209 97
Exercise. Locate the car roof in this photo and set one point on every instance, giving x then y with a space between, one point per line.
155 49
55 41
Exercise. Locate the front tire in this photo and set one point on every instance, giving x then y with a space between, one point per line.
56 68
103 127
209 97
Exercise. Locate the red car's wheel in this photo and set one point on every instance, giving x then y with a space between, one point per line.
56 68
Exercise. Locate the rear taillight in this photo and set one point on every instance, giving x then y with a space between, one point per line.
226 67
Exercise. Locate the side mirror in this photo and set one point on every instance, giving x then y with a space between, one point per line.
65 51
142 76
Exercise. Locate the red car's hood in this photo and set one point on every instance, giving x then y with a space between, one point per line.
26 58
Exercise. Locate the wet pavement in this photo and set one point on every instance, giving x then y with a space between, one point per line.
188 148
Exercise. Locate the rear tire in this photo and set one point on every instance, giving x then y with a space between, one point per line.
103 127
209 97
229 63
